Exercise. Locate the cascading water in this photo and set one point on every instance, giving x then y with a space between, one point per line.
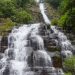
25 54
42 9
63 42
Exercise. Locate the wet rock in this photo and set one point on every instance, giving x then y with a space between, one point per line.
4 44
39 59
59 71
53 48
6 71
57 61
1 55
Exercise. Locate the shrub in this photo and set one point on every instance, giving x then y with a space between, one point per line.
15 9
22 17
7 24
67 21
66 5
67 11
62 20
22 3
6 8
70 64
69 73
54 22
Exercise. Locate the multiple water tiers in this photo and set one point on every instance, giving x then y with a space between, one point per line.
26 54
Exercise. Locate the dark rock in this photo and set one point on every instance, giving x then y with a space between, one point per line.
6 71
1 55
4 44
57 62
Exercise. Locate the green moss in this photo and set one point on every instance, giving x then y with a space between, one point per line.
70 64
54 22
6 25
69 73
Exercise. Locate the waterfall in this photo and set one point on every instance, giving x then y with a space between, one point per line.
64 43
42 9
26 54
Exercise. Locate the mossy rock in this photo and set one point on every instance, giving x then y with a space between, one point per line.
53 48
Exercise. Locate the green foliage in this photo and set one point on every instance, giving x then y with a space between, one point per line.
62 21
67 11
54 22
6 24
66 5
69 73
67 21
22 17
15 9
70 64
6 8
22 3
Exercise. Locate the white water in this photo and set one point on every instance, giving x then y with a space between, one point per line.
64 43
25 52
42 9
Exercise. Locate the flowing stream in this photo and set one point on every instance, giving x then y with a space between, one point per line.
26 54
61 40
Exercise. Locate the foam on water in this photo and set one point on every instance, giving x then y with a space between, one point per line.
21 58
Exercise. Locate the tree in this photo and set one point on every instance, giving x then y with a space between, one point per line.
6 8
22 3
22 17
66 5
67 12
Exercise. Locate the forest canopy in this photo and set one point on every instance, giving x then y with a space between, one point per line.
66 9
67 12
10 9
13 12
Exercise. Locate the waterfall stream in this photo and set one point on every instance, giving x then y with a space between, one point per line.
64 43
26 54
